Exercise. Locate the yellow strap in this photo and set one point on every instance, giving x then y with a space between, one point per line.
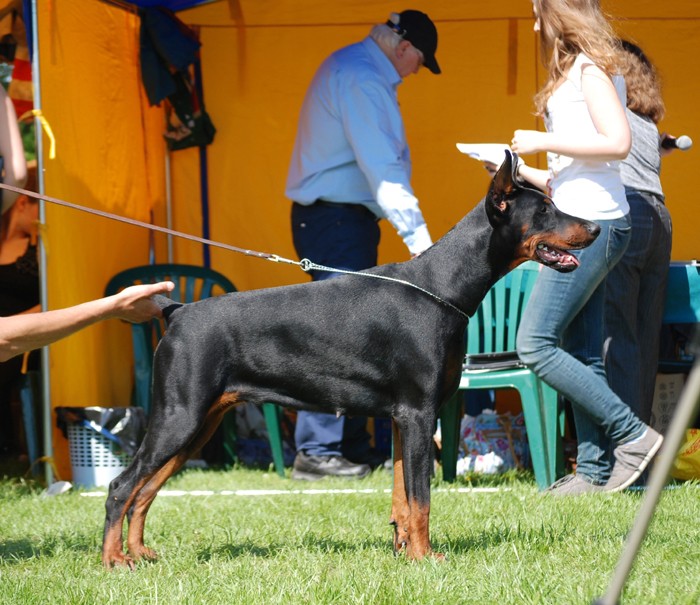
37 113
48 460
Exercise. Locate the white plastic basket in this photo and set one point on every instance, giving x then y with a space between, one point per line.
95 460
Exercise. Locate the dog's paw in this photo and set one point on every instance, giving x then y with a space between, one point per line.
143 552
118 559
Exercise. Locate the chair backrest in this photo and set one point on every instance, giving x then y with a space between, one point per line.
494 326
192 283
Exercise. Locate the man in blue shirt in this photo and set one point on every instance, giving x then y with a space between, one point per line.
351 167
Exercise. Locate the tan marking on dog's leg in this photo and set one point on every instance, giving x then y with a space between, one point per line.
112 542
135 545
419 531
148 493
419 545
399 504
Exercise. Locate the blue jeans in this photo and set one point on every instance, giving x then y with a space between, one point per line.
561 339
635 297
342 237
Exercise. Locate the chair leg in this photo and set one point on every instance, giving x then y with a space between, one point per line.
450 416
228 426
553 414
272 420
544 424
29 390
536 427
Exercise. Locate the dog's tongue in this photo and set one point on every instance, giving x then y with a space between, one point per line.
568 260
561 258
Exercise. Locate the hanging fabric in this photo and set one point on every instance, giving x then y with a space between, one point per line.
169 49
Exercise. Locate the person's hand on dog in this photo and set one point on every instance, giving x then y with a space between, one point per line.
134 303
28 331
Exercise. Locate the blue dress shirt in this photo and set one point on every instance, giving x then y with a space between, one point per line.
351 145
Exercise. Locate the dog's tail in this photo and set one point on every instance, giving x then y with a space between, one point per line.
167 306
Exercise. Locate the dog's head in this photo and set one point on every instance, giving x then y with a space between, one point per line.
529 219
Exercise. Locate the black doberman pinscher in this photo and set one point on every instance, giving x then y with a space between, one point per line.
391 346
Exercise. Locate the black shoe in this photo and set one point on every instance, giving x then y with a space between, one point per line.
371 458
312 468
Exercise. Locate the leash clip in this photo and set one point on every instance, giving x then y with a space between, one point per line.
275 258
306 265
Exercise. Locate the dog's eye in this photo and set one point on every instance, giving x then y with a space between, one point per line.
544 208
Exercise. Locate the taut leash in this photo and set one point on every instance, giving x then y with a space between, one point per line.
131 221
305 264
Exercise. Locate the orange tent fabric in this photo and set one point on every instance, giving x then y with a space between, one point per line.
257 59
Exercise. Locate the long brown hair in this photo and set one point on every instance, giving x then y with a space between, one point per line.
643 84
570 27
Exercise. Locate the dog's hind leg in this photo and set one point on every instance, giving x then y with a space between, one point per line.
122 492
166 440
399 504
147 494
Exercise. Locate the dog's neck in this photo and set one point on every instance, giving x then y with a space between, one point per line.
460 267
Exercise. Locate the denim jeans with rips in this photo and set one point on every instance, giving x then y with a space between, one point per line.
561 339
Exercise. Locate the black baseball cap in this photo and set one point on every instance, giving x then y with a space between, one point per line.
419 30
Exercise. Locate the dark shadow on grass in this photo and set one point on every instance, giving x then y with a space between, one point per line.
19 551
308 543
542 537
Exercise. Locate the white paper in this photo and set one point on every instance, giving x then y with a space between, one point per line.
485 152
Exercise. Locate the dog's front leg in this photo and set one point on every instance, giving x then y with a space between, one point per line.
416 441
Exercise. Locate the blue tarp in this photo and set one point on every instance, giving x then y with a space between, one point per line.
173 5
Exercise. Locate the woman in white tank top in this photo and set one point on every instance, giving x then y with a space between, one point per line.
561 334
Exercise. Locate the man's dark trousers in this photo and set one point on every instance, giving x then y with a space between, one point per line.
341 236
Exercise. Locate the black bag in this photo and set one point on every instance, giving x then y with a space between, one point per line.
188 124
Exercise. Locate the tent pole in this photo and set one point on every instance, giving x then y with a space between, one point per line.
43 289
168 204
203 169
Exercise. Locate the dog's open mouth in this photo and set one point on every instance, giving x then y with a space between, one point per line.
561 260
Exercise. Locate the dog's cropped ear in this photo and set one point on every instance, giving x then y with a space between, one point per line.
503 186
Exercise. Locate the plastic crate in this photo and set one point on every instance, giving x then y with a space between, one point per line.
95 460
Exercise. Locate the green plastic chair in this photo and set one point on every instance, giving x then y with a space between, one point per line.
492 363
31 398
191 283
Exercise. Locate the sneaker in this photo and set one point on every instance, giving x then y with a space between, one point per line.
313 468
572 485
631 459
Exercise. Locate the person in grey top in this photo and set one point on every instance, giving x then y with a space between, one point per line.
636 288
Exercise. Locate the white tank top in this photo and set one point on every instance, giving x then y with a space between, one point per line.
588 189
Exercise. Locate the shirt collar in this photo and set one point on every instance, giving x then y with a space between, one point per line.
385 67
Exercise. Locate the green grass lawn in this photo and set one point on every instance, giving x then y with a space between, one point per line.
512 545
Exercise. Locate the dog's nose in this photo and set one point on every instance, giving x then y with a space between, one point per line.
593 229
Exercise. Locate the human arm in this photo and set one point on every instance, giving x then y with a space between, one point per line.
534 176
24 332
11 149
612 139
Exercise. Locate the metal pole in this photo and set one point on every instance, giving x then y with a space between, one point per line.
168 205
43 290
682 417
